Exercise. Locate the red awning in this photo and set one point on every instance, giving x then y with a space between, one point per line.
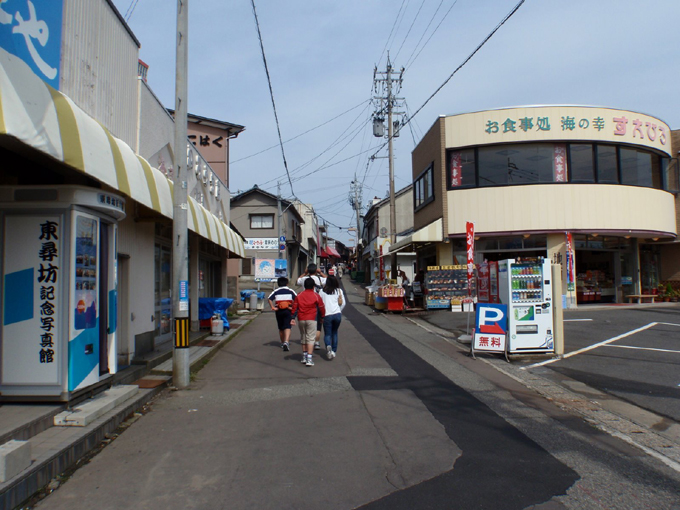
323 254
332 252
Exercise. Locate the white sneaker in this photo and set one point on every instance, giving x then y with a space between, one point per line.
329 352
304 358
333 353
316 346
309 362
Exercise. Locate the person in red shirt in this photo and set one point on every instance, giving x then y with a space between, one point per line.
306 307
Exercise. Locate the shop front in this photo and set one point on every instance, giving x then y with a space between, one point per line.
59 289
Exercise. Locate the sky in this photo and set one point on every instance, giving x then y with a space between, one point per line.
322 54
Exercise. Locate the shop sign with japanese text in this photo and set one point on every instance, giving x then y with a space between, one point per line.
557 123
33 276
261 243
31 30
470 249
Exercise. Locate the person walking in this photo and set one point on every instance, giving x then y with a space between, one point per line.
307 307
319 279
340 272
334 301
281 301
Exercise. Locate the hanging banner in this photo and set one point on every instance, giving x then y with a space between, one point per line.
470 240
570 262
560 162
382 265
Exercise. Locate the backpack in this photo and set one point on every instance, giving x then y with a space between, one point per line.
317 285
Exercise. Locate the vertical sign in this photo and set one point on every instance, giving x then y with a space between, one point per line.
470 248
456 170
33 275
31 30
560 162
184 295
483 295
570 262
382 265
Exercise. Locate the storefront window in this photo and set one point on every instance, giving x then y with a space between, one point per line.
462 168
581 167
636 168
607 168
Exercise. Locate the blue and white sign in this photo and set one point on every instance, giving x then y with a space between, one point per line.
282 239
31 30
491 328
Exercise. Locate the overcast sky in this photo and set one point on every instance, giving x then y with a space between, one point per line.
321 55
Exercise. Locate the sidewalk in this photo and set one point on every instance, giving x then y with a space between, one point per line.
55 449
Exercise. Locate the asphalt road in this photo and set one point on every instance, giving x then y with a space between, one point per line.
402 418
640 365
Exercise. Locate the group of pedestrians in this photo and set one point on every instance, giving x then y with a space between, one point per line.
319 304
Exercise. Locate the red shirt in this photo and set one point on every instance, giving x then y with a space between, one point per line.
305 305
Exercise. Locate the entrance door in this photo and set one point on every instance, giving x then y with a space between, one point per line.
163 293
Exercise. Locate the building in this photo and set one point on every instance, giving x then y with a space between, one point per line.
528 176
376 235
86 206
255 213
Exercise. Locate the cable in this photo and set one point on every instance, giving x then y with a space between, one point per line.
434 32
271 94
301 134
424 32
390 36
486 39
409 30
130 10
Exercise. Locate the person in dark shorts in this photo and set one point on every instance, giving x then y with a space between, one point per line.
281 301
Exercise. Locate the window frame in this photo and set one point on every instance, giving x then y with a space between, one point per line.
262 215
428 198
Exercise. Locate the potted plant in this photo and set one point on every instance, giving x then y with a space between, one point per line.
675 296
666 293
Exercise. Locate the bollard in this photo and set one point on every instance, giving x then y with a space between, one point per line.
253 301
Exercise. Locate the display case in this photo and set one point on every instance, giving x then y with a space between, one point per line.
446 286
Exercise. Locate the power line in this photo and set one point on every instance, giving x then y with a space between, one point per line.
271 94
433 32
424 32
409 29
301 134
130 10
391 31
486 39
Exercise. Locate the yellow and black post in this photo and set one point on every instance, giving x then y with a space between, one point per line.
181 333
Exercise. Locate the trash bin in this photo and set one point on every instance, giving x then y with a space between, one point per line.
253 301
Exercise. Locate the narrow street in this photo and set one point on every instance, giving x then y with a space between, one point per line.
402 418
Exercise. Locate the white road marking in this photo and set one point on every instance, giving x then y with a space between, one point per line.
591 347
642 348
576 320
669 324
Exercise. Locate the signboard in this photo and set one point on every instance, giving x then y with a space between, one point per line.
268 270
456 170
31 30
491 328
34 269
261 243
483 287
570 262
470 241
560 162
382 265
184 295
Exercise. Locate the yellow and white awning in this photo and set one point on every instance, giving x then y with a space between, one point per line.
43 118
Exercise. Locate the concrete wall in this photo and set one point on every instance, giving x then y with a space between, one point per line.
431 150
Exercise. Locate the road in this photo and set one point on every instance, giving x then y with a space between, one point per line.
402 418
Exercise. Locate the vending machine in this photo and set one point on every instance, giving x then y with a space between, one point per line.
525 286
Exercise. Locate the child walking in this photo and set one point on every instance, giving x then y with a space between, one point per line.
334 300
306 307
281 301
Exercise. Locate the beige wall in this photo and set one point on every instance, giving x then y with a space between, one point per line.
206 140
431 149
645 212
496 126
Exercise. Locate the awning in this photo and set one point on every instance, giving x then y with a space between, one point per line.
43 118
431 233
332 252
323 254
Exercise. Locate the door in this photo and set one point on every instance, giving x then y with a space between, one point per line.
163 293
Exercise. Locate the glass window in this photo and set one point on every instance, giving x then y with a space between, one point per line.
462 168
516 164
261 221
424 188
636 167
581 167
670 169
607 170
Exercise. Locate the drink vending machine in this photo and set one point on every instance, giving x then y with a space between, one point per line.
525 286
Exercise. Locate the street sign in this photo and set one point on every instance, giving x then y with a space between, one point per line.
282 239
491 329
282 247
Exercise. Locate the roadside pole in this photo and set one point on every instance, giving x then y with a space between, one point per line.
558 315
180 267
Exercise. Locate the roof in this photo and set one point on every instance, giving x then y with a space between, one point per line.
232 129
285 204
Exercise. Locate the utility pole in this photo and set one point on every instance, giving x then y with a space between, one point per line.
180 252
389 102
278 222
355 201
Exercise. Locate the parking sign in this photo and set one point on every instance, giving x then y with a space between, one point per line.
491 328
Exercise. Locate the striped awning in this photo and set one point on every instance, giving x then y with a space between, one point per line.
43 118
431 233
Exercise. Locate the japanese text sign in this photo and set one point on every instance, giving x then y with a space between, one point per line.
470 248
31 30
491 327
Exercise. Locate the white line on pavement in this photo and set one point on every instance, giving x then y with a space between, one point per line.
576 320
642 348
591 347
669 324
